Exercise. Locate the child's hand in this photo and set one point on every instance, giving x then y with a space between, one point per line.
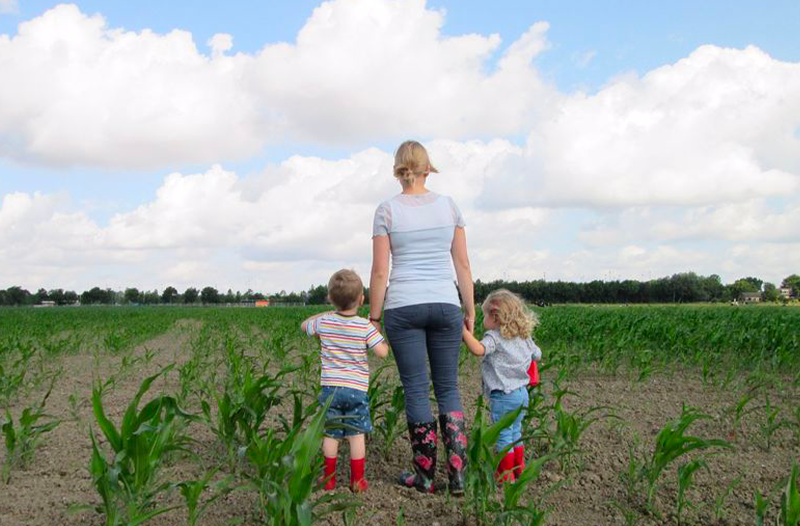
464 333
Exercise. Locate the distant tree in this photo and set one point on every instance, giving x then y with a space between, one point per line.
151 297
317 295
132 295
3 300
70 296
190 295
17 296
771 292
40 296
169 295
209 295
96 295
792 282
56 295
228 297
755 282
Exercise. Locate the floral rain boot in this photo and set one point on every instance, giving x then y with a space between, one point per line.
423 447
455 441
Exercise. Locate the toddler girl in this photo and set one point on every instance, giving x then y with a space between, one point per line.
509 357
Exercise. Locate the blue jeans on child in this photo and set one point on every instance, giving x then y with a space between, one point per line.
502 403
428 332
348 413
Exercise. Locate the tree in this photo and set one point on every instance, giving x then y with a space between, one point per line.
151 297
40 296
169 295
132 295
97 295
317 295
755 282
70 297
209 295
771 292
792 282
17 296
190 296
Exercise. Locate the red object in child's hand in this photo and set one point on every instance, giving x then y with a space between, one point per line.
533 374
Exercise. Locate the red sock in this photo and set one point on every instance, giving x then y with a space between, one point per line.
329 479
519 460
357 481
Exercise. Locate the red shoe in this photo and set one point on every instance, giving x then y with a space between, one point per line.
328 481
519 460
505 471
358 484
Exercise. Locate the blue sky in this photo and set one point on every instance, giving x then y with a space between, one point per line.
592 65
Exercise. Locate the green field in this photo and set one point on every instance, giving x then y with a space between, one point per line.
646 415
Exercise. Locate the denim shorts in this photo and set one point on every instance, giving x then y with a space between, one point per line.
348 413
502 403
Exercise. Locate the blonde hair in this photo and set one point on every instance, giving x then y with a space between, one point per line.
514 319
345 289
411 160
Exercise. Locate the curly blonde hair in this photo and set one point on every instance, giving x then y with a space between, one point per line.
410 161
514 319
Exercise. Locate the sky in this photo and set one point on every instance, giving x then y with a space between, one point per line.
246 145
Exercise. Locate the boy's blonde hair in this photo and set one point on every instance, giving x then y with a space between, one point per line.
411 160
345 289
514 319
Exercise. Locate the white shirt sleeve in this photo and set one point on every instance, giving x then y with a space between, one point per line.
382 223
458 217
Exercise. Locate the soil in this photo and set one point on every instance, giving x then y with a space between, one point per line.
591 493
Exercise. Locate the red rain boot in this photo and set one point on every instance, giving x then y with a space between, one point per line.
519 460
329 480
505 471
358 483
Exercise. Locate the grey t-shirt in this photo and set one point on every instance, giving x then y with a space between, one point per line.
506 361
420 229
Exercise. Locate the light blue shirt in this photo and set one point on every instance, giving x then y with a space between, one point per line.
420 230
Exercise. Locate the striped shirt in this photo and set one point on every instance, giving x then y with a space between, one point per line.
344 341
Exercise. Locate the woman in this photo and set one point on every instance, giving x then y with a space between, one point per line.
424 231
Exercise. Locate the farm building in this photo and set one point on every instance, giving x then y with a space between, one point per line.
786 292
262 303
751 297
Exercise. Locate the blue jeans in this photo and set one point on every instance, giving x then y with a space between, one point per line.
427 332
503 403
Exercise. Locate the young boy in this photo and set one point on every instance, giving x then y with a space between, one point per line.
344 339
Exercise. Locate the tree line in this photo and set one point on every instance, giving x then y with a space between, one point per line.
686 287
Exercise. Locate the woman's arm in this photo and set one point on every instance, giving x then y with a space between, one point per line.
464 276
378 277
473 345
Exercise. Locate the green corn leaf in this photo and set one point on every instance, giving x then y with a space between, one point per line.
790 503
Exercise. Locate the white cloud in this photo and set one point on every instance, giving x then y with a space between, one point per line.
9 7
78 92
716 127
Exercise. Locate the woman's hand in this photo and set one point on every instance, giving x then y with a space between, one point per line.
469 323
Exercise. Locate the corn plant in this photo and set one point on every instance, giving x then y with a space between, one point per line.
128 481
569 430
21 440
192 492
685 480
770 423
480 481
761 506
286 472
671 444
719 501
390 425
790 500
241 410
